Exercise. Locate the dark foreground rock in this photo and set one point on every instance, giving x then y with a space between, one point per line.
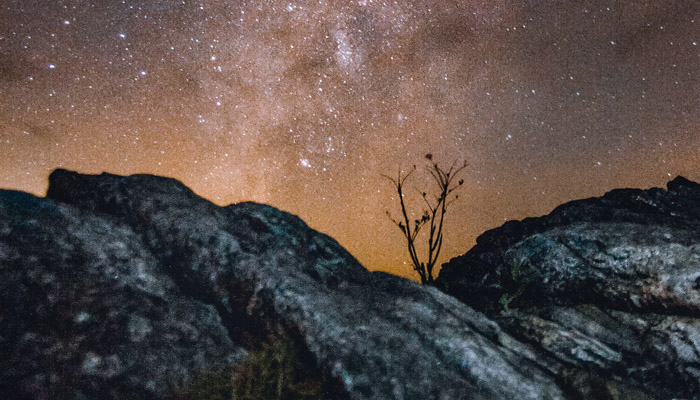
606 290
128 287
85 312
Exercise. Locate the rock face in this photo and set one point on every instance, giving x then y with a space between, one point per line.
606 290
86 313
130 287
127 287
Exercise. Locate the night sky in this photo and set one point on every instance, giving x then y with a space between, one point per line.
304 104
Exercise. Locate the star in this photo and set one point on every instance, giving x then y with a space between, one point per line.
304 105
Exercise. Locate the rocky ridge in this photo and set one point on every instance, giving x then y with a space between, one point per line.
607 285
127 287
131 287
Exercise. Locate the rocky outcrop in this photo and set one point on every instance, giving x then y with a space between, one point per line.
128 287
606 290
132 287
86 311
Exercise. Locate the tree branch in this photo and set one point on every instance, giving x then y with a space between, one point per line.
435 214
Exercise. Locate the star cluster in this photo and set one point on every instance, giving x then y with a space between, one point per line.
305 104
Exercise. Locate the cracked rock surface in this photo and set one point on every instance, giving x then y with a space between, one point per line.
606 290
118 287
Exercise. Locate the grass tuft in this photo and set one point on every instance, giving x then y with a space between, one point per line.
276 371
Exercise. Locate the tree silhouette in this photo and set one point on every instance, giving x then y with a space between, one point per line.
434 214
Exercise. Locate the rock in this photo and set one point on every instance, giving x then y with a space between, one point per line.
87 312
127 287
605 289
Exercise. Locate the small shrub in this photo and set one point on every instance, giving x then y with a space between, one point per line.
521 273
209 385
277 372
274 372
433 215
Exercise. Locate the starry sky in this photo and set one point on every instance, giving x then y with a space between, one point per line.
305 104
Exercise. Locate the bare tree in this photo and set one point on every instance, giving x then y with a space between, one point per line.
434 214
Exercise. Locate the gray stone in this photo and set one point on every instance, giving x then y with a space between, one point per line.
128 287
608 290
79 293
148 284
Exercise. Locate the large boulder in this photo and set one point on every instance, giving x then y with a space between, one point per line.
87 312
607 289
128 287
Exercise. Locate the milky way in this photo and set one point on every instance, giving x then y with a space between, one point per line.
305 104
